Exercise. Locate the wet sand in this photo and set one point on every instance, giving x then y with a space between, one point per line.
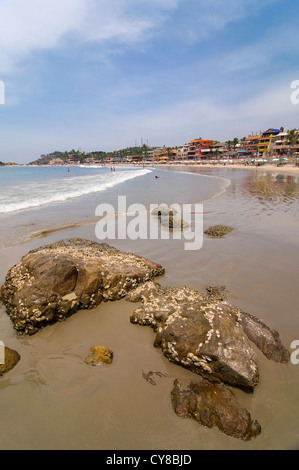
53 400
291 170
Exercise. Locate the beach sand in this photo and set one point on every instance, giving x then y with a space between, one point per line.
53 400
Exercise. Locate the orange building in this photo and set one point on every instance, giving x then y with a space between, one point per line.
196 146
250 144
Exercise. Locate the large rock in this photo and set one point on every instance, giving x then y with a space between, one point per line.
54 281
214 405
206 335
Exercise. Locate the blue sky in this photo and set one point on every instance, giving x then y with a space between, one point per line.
105 74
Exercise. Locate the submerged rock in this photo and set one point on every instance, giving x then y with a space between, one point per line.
11 358
164 210
99 355
203 334
168 217
54 281
218 231
214 405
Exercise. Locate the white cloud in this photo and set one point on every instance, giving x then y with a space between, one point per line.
211 118
33 25
36 25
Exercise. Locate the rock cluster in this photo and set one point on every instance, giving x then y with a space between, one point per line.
201 332
206 335
213 339
54 281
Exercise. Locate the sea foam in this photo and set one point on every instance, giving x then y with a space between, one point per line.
37 193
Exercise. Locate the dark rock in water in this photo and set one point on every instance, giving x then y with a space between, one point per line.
214 405
11 358
204 334
164 210
99 355
54 281
168 218
218 231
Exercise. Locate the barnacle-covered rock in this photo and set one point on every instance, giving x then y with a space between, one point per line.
54 281
205 333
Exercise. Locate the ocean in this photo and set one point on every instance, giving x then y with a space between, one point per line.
53 400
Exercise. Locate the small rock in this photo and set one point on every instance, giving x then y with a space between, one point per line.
99 355
11 358
218 231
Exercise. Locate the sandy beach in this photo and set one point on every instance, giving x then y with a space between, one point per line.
53 400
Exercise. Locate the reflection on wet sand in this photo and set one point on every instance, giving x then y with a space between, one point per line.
276 188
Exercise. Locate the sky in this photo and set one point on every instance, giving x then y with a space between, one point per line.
110 74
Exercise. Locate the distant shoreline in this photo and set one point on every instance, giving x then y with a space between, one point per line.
286 170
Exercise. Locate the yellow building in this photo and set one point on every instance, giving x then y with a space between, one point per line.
266 141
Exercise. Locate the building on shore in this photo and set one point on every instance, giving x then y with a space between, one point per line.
197 146
250 145
266 141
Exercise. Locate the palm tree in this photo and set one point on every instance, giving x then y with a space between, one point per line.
169 153
144 150
229 144
293 138
235 142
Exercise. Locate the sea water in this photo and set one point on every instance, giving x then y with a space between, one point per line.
34 199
